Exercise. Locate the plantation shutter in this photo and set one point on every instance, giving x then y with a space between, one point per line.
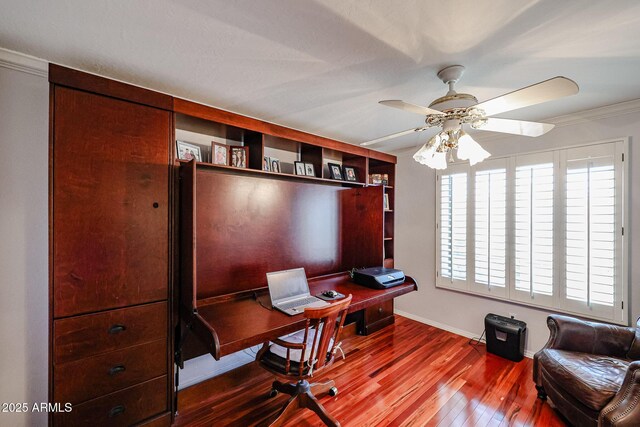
533 228
453 228
490 235
591 230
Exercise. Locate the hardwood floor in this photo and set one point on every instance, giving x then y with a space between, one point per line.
409 374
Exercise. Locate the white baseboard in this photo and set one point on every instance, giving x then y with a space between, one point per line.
446 327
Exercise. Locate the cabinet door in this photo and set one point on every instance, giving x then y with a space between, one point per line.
110 202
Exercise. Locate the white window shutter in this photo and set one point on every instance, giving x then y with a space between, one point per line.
533 228
490 227
452 222
591 231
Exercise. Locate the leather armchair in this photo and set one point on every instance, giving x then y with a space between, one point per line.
591 372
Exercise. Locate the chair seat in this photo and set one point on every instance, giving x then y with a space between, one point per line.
592 379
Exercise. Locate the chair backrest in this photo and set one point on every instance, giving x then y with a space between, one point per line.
330 320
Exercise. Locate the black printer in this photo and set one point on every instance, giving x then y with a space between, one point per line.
378 277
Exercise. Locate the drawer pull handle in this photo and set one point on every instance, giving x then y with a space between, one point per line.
379 309
116 410
116 370
116 329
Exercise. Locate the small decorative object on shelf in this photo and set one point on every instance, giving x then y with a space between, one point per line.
219 154
309 170
266 164
275 164
239 156
350 174
385 179
375 179
188 151
299 168
387 207
335 171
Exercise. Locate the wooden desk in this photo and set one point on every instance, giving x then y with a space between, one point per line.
232 323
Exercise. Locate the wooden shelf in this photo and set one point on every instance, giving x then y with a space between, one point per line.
275 174
388 210
388 238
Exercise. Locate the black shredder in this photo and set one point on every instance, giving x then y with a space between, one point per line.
505 336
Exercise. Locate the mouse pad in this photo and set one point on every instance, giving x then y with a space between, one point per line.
329 298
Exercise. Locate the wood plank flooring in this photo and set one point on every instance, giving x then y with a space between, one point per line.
409 374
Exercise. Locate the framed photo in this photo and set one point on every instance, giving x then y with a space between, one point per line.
386 202
309 170
266 164
335 171
239 157
350 174
219 154
299 168
275 164
188 151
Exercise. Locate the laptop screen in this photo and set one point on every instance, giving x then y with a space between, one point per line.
287 283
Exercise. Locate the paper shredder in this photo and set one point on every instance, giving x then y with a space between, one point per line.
505 336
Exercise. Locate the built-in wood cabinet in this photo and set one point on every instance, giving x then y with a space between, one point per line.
115 248
110 258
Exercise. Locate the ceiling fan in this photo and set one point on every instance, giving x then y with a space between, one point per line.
454 110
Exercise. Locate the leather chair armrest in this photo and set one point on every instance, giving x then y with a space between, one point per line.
571 334
624 408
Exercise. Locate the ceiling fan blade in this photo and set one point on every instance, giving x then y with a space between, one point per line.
538 93
516 127
394 135
418 109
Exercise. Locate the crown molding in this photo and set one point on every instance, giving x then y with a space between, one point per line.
25 63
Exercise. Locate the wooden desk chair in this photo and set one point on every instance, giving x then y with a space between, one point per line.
303 354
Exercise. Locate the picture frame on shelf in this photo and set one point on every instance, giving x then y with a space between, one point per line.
299 168
266 164
219 154
350 174
239 157
335 171
275 164
387 206
187 151
309 169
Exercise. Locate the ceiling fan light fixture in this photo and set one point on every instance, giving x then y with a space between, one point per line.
469 149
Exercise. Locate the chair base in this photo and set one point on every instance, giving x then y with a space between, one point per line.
303 396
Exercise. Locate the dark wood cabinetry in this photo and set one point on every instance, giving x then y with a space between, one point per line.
110 269
114 244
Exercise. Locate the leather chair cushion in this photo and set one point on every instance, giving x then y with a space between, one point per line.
592 379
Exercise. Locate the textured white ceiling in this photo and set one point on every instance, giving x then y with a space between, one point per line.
322 65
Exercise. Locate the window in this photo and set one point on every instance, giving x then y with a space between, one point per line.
453 227
490 215
542 229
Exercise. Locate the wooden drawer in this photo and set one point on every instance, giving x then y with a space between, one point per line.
378 312
85 379
121 408
377 317
83 336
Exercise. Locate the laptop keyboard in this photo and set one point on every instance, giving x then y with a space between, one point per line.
297 303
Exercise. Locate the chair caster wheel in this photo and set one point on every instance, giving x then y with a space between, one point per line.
273 392
333 391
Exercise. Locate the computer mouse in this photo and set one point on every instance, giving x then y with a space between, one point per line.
330 294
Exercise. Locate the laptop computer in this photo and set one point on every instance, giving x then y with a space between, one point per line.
289 291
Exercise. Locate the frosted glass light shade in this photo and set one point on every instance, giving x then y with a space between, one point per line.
439 161
468 149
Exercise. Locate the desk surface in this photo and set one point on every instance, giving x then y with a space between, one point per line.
235 324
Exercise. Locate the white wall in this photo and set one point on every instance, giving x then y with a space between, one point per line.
415 227
24 118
